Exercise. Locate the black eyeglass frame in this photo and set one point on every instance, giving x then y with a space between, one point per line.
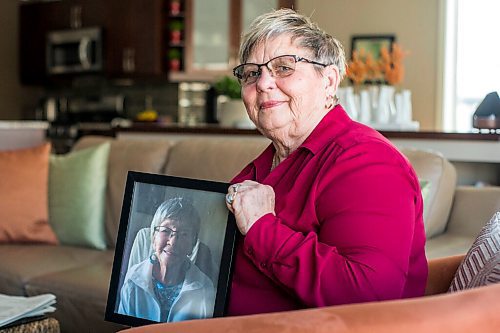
295 57
170 233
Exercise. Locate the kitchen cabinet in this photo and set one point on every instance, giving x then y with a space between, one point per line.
132 36
212 31
134 39
35 20
176 40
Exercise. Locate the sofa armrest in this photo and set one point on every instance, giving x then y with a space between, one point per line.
474 310
441 273
433 167
472 208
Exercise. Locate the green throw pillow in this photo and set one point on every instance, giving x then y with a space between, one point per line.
425 188
77 196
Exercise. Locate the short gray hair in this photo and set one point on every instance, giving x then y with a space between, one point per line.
178 209
323 46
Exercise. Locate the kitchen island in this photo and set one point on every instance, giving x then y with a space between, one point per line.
22 134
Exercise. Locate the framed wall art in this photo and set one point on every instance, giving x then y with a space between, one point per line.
174 253
371 44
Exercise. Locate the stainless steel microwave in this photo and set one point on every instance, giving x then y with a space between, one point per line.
75 51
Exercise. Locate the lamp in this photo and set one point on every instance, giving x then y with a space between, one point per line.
487 114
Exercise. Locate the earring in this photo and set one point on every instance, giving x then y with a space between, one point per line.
329 102
153 259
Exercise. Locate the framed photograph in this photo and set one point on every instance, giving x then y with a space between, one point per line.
372 44
174 253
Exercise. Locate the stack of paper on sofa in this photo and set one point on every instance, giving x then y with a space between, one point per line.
14 308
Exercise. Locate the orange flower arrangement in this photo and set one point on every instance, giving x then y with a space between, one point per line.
373 68
391 64
356 68
389 67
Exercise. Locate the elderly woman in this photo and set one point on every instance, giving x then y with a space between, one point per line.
167 286
331 211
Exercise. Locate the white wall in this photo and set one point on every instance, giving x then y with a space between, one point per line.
415 24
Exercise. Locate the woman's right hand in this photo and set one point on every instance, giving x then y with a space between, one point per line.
251 201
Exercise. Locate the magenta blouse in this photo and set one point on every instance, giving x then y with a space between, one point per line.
348 225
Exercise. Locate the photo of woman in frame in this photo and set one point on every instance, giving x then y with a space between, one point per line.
172 254
167 286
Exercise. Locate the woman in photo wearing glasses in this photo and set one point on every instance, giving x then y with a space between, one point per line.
168 287
331 212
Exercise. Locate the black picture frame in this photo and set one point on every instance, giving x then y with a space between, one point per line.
143 194
372 44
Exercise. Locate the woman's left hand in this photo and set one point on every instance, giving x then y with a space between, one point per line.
251 201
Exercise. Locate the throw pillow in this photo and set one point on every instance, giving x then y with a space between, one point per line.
77 196
23 196
481 265
425 189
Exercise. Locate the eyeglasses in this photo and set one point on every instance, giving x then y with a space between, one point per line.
279 67
169 233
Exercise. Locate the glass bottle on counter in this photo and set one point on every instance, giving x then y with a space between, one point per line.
191 109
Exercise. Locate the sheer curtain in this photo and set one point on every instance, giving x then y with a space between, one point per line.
471 59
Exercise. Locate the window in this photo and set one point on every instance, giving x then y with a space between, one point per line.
471 59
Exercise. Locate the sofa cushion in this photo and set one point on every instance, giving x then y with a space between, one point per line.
440 173
77 196
125 154
471 207
21 263
23 205
215 159
481 265
81 295
447 244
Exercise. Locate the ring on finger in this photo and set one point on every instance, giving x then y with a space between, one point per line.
236 187
230 197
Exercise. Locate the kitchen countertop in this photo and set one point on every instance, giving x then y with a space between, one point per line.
23 124
22 134
216 129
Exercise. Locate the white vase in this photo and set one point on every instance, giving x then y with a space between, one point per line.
364 107
407 105
403 107
350 103
373 91
232 113
398 101
386 110
340 93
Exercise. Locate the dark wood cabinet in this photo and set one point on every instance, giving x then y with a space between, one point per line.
35 20
133 41
138 36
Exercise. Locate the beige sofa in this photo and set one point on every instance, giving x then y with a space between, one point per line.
79 277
